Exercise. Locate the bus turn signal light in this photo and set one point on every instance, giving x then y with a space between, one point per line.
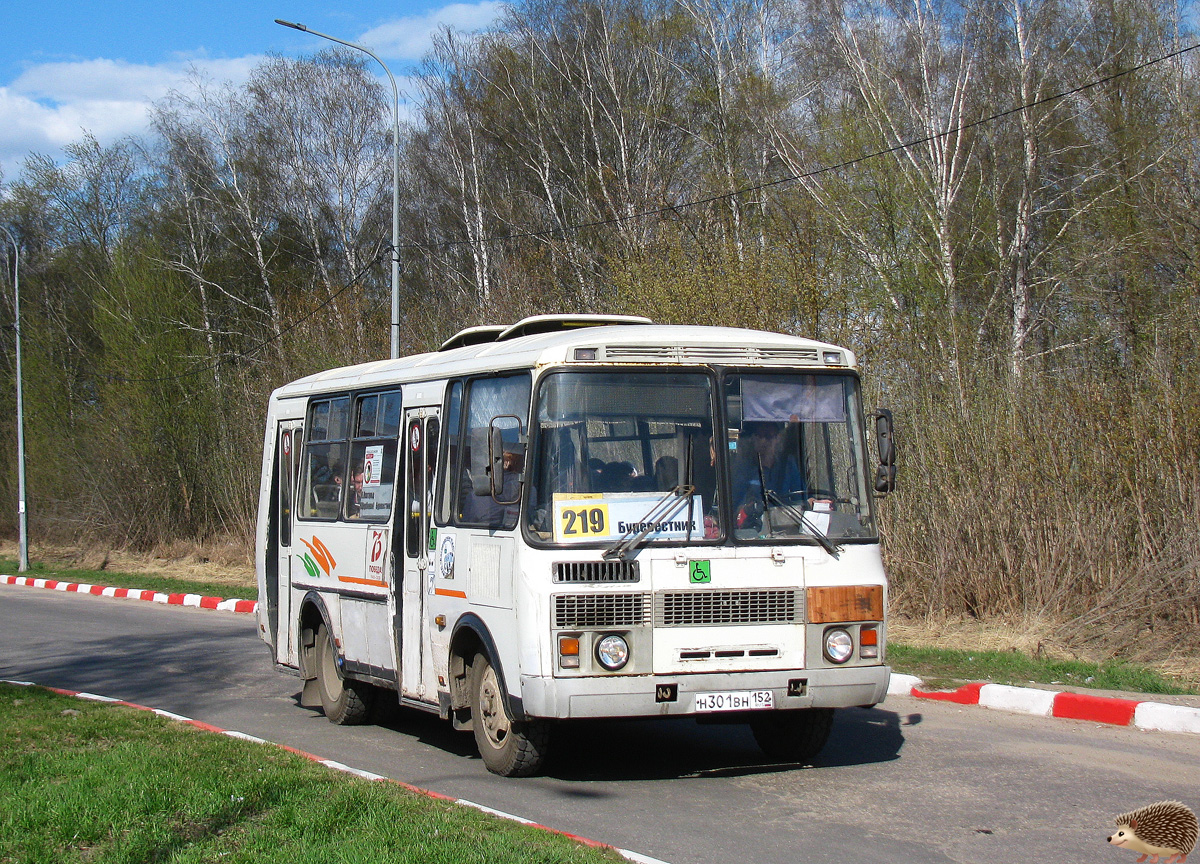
868 641
568 652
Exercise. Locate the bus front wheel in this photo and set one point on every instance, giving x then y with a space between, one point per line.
508 748
793 736
346 703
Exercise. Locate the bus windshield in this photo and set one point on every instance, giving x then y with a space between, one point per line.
634 454
609 449
797 459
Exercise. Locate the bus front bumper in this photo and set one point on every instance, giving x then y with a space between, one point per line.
639 695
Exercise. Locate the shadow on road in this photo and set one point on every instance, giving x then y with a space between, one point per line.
666 749
662 749
185 671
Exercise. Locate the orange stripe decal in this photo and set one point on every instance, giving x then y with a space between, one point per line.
372 582
447 592
321 552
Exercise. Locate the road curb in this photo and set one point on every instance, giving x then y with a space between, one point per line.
1114 711
196 600
1148 715
338 766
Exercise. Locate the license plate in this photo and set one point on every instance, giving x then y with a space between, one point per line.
735 700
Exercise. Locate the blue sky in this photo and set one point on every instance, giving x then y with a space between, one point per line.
66 67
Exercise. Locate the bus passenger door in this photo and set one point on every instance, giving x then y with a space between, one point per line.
421 440
279 582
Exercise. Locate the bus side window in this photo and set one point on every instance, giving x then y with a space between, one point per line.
421 474
325 451
288 443
489 398
373 458
447 490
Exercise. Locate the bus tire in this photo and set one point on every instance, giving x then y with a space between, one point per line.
508 748
346 703
793 736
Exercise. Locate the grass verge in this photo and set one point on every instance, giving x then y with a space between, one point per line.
91 782
944 667
147 581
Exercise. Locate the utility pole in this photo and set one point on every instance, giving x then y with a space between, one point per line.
22 510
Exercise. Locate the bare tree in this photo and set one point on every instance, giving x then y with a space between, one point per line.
209 132
319 121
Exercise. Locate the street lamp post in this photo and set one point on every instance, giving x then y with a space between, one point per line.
395 326
22 511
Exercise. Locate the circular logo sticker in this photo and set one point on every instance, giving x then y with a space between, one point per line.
414 437
446 557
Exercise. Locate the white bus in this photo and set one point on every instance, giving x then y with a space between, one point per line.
580 516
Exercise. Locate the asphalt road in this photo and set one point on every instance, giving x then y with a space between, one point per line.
909 781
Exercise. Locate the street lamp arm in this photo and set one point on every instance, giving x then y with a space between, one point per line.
395 317
305 29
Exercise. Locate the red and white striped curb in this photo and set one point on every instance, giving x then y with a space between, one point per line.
338 766
1151 716
135 594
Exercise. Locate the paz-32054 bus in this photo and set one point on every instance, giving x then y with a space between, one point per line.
580 516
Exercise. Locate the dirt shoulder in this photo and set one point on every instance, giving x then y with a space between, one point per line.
1037 638
222 563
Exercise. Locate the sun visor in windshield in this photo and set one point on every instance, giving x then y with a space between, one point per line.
803 399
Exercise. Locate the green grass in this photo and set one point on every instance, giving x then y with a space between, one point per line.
88 782
941 667
146 581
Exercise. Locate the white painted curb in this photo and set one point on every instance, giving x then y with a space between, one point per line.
1024 700
1166 718
902 685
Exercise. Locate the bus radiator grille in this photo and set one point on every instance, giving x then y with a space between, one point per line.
596 571
708 608
577 611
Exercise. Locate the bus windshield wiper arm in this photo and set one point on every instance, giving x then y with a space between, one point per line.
664 508
820 536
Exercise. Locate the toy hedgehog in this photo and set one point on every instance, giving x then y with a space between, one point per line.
1166 828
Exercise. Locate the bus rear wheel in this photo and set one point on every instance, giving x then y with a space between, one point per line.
508 748
346 703
793 736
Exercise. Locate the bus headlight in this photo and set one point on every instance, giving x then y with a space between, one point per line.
612 652
838 645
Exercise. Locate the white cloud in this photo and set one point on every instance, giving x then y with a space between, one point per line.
102 79
53 104
409 38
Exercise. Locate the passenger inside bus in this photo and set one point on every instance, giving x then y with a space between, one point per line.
354 498
326 488
666 473
617 477
765 471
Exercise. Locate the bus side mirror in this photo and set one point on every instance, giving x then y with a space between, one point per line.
495 462
484 442
885 473
487 458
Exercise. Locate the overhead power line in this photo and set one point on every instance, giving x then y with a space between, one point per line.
791 178
660 211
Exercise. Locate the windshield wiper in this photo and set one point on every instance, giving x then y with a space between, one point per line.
802 517
663 510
